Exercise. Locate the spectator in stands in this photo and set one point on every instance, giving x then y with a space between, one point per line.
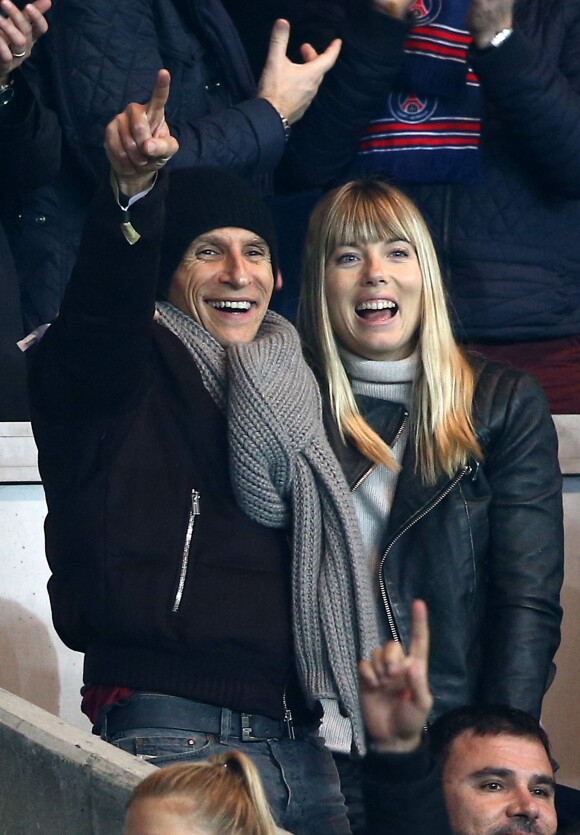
495 760
452 459
221 796
29 156
497 771
489 156
402 783
194 503
101 56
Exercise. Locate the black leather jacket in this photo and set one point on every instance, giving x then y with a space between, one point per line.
484 548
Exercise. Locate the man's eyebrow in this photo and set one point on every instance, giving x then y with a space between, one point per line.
491 771
212 238
544 780
257 240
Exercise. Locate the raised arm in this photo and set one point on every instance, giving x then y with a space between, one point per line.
93 359
533 82
324 142
402 785
106 55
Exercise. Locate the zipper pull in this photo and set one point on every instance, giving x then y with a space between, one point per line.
288 720
195 502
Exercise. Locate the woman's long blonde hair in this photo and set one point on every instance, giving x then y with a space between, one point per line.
442 426
222 795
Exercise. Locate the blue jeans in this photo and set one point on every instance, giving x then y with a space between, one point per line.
299 775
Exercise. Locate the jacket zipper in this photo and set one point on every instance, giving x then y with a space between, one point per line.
384 594
193 512
373 467
288 719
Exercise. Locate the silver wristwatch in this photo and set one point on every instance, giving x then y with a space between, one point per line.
500 37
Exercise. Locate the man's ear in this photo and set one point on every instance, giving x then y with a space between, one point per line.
278 282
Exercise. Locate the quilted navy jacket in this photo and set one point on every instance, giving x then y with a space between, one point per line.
101 56
508 246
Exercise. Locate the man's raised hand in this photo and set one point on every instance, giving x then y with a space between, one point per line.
291 87
138 141
394 689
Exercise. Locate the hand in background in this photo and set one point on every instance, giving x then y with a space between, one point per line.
291 87
393 8
19 31
485 18
394 689
138 141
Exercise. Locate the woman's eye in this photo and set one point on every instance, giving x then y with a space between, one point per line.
399 252
346 258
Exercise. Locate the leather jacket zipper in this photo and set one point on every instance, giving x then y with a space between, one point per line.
373 467
384 594
193 512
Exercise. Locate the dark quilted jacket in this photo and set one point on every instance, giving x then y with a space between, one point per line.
101 56
509 246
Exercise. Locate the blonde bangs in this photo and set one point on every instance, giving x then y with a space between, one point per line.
365 217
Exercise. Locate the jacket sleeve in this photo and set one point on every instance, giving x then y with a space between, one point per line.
94 358
535 94
106 55
403 794
29 140
525 569
324 141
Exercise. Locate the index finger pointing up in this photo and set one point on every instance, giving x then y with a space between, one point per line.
419 648
159 96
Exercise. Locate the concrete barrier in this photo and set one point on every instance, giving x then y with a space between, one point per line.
58 780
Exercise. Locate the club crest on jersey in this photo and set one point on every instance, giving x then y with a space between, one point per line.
425 11
411 108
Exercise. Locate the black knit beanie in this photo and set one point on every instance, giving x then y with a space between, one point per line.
201 199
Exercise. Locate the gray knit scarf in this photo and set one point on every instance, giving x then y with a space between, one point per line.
283 470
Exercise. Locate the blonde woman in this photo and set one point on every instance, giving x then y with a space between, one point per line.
452 460
220 796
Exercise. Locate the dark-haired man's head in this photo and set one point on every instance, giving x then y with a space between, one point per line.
496 768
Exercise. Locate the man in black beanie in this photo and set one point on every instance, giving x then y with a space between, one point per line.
170 483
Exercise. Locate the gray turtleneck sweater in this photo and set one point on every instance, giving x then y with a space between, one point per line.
393 381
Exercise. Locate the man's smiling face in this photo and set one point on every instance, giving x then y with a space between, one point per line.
499 784
225 282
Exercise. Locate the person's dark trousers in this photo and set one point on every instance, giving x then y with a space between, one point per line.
299 775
